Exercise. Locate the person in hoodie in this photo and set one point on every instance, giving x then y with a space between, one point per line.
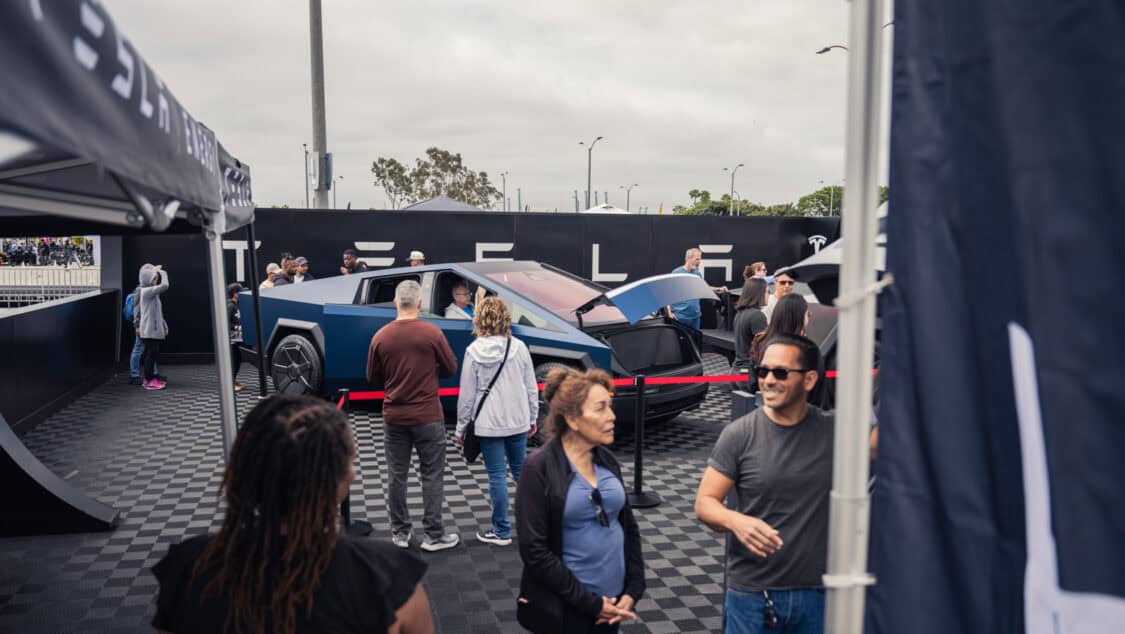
507 417
152 328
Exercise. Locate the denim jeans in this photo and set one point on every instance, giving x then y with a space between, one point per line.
398 443
499 454
135 359
798 612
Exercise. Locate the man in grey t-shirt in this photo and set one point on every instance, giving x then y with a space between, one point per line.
778 459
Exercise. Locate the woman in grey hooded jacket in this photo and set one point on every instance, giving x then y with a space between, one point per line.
151 328
507 418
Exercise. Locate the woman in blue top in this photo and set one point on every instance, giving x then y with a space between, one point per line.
580 546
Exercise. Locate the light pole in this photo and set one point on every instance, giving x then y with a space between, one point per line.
730 211
628 192
306 146
320 134
504 179
335 180
830 47
589 164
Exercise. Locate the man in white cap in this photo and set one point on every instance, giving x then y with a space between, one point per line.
417 258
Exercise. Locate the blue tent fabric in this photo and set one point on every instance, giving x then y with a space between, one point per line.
1008 185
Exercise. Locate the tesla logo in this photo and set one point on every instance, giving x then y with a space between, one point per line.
726 264
595 268
817 242
376 246
239 247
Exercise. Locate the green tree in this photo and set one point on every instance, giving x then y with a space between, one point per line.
828 201
440 173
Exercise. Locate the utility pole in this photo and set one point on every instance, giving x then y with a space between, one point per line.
576 200
519 199
730 210
320 133
589 169
504 178
628 192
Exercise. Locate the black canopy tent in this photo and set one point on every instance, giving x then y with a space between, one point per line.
88 131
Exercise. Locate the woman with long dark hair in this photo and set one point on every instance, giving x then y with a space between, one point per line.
280 563
749 320
790 317
580 546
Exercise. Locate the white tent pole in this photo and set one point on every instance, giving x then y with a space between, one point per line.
847 576
221 331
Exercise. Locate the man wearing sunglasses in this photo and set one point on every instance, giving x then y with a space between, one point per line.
783 284
778 460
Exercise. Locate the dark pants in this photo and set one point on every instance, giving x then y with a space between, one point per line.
575 623
235 359
398 442
149 357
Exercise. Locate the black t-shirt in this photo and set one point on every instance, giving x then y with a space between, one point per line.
365 583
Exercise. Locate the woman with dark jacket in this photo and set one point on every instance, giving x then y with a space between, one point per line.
580 546
749 320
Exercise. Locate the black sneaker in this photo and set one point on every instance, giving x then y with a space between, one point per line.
136 380
494 539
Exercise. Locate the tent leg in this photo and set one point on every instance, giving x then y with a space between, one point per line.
849 512
221 333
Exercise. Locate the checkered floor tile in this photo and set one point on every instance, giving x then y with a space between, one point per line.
157 456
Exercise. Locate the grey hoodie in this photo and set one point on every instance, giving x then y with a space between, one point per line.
513 405
151 321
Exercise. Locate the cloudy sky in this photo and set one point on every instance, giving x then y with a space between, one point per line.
679 90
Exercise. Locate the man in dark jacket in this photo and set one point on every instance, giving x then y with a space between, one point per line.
406 357
235 324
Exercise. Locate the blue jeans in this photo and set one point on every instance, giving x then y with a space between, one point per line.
499 454
135 359
798 612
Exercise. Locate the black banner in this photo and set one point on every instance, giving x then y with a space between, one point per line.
609 249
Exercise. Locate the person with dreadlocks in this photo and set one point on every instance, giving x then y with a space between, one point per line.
280 563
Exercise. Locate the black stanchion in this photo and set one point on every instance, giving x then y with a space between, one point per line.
638 498
253 254
355 528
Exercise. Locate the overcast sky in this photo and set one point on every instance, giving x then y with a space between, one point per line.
679 90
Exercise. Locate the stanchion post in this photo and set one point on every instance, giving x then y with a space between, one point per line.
357 528
638 498
259 349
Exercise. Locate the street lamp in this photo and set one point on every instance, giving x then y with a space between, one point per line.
335 180
628 191
589 163
841 46
730 211
504 178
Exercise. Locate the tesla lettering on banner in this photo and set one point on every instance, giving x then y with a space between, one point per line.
378 263
726 264
239 247
595 268
493 247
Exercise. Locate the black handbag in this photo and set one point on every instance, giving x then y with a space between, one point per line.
470 450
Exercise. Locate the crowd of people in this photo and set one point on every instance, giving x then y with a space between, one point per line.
46 251
280 563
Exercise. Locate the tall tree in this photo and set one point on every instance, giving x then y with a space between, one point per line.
440 173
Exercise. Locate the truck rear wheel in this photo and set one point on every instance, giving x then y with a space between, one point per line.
296 367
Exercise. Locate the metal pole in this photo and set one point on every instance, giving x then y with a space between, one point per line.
306 146
254 293
519 199
320 134
589 171
221 332
849 512
638 498
628 197
504 177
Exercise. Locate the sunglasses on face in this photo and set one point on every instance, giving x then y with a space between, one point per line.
785 282
596 498
780 374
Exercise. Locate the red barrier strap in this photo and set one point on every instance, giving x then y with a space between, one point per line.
340 405
626 382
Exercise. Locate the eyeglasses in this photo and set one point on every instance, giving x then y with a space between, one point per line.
596 498
780 374
784 282
465 293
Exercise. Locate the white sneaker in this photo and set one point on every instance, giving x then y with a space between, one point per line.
448 540
402 540
492 538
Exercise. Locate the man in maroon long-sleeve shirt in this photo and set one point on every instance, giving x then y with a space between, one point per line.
406 357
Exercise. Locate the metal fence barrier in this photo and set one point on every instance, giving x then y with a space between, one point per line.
27 285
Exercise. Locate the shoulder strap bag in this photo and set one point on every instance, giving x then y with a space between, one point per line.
471 448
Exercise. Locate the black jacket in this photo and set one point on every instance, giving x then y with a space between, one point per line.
540 500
